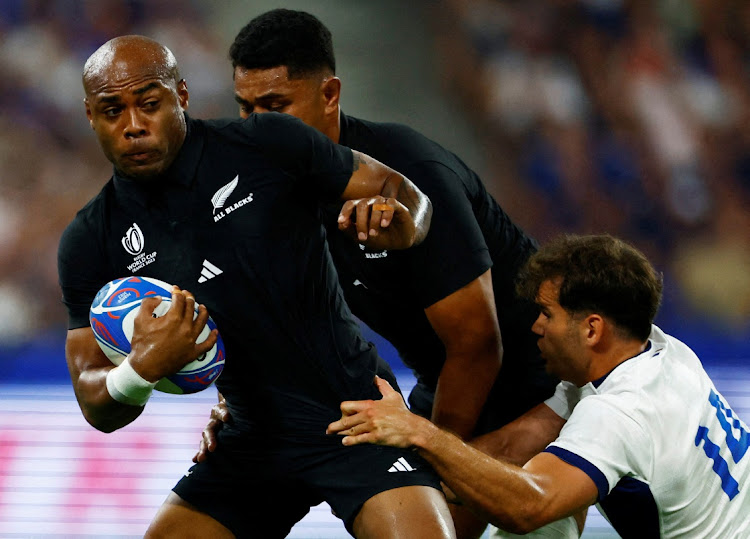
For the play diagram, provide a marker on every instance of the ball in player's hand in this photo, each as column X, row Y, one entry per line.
column 112, row 314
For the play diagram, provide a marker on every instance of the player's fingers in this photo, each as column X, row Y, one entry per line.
column 382, row 214
column 220, row 412
column 148, row 305
column 203, row 449
column 340, row 425
column 200, row 319
column 365, row 438
column 177, row 310
column 205, row 346
column 363, row 220
column 345, row 215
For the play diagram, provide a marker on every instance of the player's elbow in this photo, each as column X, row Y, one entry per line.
column 99, row 421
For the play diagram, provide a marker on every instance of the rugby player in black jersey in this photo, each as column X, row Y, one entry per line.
column 458, row 322
column 294, row 351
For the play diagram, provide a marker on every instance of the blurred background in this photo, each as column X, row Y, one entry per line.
column 630, row 117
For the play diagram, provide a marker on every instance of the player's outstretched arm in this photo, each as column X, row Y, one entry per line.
column 516, row 499
column 383, row 208
column 111, row 397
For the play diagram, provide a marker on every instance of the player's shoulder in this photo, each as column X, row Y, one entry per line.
column 89, row 221
column 391, row 136
column 91, row 212
column 254, row 127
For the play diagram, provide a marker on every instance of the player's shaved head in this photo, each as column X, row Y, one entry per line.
column 126, row 58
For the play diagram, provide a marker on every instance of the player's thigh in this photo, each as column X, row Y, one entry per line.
column 415, row 511
column 179, row 519
column 467, row 523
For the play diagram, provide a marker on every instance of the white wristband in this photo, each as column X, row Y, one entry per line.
column 127, row 386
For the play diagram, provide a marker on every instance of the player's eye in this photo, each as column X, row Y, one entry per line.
column 112, row 112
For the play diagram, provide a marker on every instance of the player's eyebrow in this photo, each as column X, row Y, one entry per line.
column 146, row 88
column 240, row 100
column 116, row 98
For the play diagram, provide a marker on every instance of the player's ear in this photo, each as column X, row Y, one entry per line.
column 331, row 91
column 88, row 111
column 182, row 93
column 593, row 328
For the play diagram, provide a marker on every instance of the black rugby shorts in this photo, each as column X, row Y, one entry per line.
column 260, row 486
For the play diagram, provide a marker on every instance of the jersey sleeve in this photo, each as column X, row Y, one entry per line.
column 323, row 166
column 604, row 442
column 566, row 396
column 454, row 248
column 81, row 271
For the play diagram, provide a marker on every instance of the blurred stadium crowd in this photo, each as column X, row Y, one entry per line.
column 623, row 116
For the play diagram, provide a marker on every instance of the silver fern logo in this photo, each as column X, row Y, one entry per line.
column 133, row 240
column 219, row 200
column 220, row 197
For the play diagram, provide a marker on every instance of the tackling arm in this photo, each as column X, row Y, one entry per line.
column 513, row 498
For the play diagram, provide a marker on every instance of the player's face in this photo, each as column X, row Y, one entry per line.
column 271, row 90
column 139, row 120
column 560, row 337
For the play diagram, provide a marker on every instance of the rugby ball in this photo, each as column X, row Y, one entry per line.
column 112, row 314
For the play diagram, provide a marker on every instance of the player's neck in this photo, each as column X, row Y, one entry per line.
column 618, row 352
column 334, row 130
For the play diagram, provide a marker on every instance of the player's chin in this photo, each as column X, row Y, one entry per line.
column 141, row 172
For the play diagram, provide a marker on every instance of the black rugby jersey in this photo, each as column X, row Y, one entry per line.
column 469, row 233
column 236, row 221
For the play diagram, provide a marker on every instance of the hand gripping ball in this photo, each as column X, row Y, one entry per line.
column 112, row 314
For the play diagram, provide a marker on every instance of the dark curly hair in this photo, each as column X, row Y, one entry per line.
column 599, row 274
column 284, row 37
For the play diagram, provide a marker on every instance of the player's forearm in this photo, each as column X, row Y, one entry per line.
column 506, row 495
column 526, row 436
column 418, row 204
column 462, row 390
column 99, row 409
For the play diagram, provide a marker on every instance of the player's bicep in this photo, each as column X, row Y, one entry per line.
column 468, row 316
column 567, row 488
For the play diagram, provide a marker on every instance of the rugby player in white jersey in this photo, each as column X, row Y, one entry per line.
column 647, row 435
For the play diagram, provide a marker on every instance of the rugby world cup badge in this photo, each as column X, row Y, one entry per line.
column 134, row 244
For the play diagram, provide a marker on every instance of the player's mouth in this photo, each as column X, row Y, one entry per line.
column 141, row 157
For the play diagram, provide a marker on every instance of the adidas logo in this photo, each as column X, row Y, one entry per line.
column 401, row 466
column 209, row 271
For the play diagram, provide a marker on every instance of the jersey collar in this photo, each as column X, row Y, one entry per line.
column 596, row 383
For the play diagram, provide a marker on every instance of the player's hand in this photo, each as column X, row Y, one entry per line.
column 366, row 220
column 163, row 345
column 384, row 422
column 219, row 415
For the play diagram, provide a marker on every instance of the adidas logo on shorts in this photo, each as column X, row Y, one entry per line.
column 401, row 466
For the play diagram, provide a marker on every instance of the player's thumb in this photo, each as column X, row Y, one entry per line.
column 383, row 386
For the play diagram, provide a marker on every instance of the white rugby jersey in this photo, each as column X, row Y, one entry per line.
column 666, row 451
